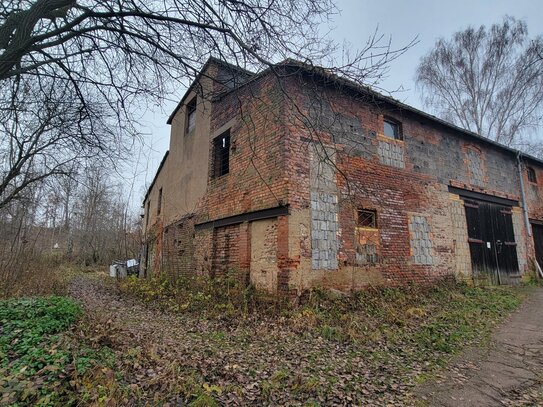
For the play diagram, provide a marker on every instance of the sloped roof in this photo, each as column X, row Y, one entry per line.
column 211, row 60
column 330, row 77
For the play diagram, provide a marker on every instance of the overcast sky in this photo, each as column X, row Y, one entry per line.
column 398, row 19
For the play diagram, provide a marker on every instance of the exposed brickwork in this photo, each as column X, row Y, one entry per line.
column 226, row 251
column 326, row 158
column 178, row 248
column 520, row 238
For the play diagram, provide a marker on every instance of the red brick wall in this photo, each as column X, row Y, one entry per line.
column 434, row 158
column 225, row 257
column 178, row 248
column 271, row 141
column 231, row 253
column 256, row 178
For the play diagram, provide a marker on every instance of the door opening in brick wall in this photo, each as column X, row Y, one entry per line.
column 225, row 259
column 537, row 232
column 492, row 243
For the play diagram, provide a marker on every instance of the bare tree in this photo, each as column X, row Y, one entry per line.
column 45, row 128
column 489, row 81
column 96, row 62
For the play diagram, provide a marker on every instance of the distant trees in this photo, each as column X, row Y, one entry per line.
column 489, row 81
column 82, row 217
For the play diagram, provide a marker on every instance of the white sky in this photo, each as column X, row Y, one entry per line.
column 401, row 21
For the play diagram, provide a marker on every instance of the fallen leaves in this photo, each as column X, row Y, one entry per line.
column 330, row 352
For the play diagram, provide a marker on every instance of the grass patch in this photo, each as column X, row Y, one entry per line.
column 39, row 363
column 420, row 325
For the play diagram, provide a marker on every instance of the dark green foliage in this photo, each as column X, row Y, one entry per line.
column 37, row 360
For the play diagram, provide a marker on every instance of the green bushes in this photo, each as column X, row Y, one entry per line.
column 39, row 363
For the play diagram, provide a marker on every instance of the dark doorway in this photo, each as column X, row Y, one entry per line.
column 492, row 242
column 537, row 231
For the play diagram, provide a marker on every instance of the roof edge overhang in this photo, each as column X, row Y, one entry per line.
column 156, row 176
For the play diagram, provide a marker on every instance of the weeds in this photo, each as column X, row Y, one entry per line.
column 39, row 363
column 225, row 341
column 224, row 296
column 400, row 335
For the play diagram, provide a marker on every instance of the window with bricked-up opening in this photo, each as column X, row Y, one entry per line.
column 159, row 203
column 475, row 166
column 392, row 129
column 531, row 174
column 367, row 219
column 191, row 115
column 221, row 155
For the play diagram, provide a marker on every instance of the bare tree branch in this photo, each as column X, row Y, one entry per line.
column 489, row 81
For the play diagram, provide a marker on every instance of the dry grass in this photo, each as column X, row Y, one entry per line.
column 224, row 297
column 38, row 275
column 33, row 276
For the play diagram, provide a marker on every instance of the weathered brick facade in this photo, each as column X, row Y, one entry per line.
column 308, row 154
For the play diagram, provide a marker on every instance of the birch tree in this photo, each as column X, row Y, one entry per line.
column 487, row 80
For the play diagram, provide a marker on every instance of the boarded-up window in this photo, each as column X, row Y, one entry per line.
column 324, row 230
column 475, row 166
column 366, row 254
column 391, row 153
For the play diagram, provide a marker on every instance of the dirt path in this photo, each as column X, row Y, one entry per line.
column 508, row 373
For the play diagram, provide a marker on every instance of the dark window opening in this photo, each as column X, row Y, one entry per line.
column 159, row 203
column 148, row 213
column 367, row 219
column 392, row 129
column 221, row 155
column 531, row 174
column 191, row 115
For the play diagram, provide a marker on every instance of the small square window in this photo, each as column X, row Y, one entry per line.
column 392, row 129
column 221, row 155
column 531, row 174
column 367, row 219
column 191, row 115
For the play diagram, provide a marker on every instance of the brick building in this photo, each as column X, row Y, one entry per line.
column 294, row 178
